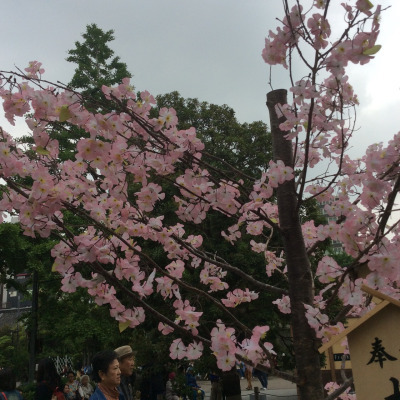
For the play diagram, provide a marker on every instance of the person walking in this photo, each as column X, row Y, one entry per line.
column 197, row 392
column 248, row 373
column 126, row 364
column 262, row 377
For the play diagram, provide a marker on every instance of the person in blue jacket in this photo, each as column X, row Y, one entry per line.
column 107, row 374
column 197, row 391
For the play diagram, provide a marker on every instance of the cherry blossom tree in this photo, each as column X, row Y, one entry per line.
column 115, row 188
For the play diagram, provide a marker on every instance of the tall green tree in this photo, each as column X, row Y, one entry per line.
column 72, row 323
column 96, row 66
column 95, row 62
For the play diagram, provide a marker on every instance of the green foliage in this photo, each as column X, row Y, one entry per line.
column 95, row 63
column 247, row 147
column 180, row 387
column 68, row 323
column 95, row 66
column 28, row 390
column 13, row 249
column 6, row 349
column 72, row 323
column 13, row 350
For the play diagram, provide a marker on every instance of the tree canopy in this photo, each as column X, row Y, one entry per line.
column 95, row 62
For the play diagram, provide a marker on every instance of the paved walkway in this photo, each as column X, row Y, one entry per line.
column 278, row 389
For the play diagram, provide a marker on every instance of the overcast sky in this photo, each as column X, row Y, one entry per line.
column 208, row 49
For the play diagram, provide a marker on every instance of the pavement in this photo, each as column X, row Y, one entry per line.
column 278, row 389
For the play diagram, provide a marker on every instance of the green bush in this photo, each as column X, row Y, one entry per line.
column 28, row 390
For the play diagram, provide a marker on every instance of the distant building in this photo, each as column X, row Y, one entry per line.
column 13, row 303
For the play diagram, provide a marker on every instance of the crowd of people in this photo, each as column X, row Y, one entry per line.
column 247, row 372
column 112, row 377
column 110, row 370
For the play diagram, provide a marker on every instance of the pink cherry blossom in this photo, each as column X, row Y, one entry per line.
column 177, row 349
column 332, row 386
column 34, row 69
column 328, row 270
column 239, row 296
column 165, row 329
column 320, row 28
column 194, row 350
column 283, row 304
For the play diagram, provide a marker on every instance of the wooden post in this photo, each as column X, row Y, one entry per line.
column 34, row 325
column 256, row 393
column 332, row 364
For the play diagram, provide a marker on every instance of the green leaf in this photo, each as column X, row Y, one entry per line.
column 42, row 151
column 123, row 325
column 373, row 50
column 370, row 5
column 65, row 114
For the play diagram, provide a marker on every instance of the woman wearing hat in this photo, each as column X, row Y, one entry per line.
column 107, row 374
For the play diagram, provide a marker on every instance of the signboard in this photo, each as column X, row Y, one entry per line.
column 375, row 354
column 374, row 344
column 339, row 357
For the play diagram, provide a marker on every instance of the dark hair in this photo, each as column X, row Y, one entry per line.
column 7, row 379
column 101, row 362
column 47, row 372
column 71, row 372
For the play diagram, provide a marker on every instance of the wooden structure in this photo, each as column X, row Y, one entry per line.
column 374, row 344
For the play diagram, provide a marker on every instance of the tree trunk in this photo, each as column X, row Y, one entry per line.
column 298, row 265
